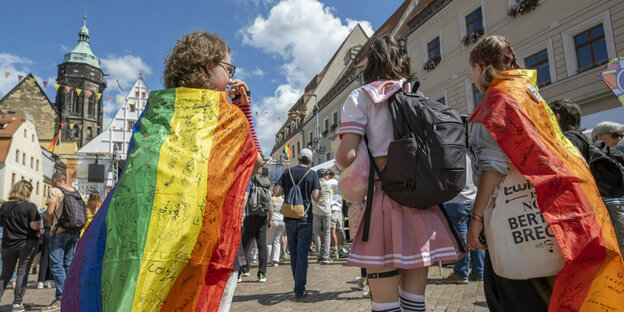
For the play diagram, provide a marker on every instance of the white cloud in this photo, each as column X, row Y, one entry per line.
column 266, row 127
column 125, row 69
column 304, row 33
column 65, row 48
column 258, row 72
column 15, row 65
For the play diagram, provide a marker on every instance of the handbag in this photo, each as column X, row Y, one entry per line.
column 520, row 241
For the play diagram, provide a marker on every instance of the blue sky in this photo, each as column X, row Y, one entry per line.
column 277, row 45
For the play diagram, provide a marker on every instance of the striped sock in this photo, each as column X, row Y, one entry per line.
column 385, row 306
column 411, row 302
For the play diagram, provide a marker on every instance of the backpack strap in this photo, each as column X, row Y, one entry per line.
column 452, row 228
column 301, row 177
column 369, row 195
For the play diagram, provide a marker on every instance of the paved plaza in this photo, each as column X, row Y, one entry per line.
column 332, row 288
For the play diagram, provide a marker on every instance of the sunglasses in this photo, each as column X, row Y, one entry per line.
column 616, row 136
column 230, row 70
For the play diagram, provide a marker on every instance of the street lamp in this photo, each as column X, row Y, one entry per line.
column 317, row 137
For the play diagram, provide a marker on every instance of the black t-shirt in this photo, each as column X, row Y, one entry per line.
column 309, row 184
column 15, row 218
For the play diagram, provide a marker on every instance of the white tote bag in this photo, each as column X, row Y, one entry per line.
column 521, row 243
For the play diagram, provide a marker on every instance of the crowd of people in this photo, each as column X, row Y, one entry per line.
column 515, row 145
column 43, row 238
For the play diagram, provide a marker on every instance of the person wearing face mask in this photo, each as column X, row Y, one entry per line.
column 166, row 237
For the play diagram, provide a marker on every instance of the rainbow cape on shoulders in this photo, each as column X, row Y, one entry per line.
column 166, row 237
column 592, row 278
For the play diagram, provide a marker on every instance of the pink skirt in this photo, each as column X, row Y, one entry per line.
column 403, row 237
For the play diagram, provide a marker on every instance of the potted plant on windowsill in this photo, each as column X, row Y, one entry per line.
column 472, row 37
column 522, row 7
column 432, row 63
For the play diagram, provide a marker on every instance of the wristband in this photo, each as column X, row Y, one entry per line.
column 476, row 218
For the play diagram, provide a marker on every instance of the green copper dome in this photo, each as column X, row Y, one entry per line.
column 82, row 52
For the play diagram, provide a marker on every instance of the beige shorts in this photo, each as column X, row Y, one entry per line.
column 337, row 221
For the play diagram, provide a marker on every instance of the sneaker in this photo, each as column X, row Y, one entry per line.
column 275, row 264
column 54, row 306
column 17, row 307
column 48, row 284
column 302, row 296
column 360, row 282
column 475, row 278
column 246, row 274
column 239, row 279
column 40, row 285
column 326, row 262
column 366, row 294
column 261, row 278
column 455, row 279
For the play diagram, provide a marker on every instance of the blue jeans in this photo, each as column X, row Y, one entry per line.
column 457, row 212
column 61, row 254
column 299, row 238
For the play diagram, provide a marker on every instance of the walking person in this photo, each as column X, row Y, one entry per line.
column 402, row 241
column 611, row 133
column 20, row 221
column 299, row 231
column 322, row 219
column 63, row 241
column 258, row 212
column 45, row 274
column 459, row 210
column 338, row 239
column 275, row 232
column 521, row 155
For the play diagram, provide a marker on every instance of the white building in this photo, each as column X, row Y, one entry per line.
column 110, row 147
column 20, row 156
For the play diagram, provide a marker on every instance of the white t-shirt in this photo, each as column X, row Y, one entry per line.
column 336, row 199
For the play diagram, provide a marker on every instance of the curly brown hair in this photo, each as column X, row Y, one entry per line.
column 186, row 66
column 495, row 54
column 386, row 60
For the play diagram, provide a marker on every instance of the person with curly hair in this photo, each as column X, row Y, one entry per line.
column 166, row 237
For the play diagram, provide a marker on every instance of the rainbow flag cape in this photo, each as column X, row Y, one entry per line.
column 55, row 142
column 527, row 131
column 166, row 237
column 613, row 78
column 287, row 151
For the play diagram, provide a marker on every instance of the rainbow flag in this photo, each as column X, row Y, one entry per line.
column 166, row 237
column 527, row 131
column 287, row 151
column 55, row 142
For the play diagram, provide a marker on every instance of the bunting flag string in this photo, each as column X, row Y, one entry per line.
column 67, row 88
column 20, row 77
column 99, row 95
column 45, row 84
column 6, row 74
column 32, row 80
column 88, row 93
column 78, row 91
column 56, row 86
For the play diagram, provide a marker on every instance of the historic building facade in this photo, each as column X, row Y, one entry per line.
column 78, row 99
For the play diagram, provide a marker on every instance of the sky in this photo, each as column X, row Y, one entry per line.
column 277, row 46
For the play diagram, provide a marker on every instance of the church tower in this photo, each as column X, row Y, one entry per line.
column 78, row 99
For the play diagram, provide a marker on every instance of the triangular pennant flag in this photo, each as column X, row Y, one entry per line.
column 126, row 100
column 97, row 127
column 68, row 88
column 62, row 125
column 88, row 93
column 117, row 99
column 80, row 127
column 6, row 74
column 56, row 86
column 43, row 123
column 45, row 84
column 78, row 91
column 71, row 126
column 19, row 77
column 99, row 95
column 32, row 80
column 143, row 104
column 108, row 97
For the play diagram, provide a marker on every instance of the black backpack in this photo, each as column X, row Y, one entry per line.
column 426, row 164
column 260, row 196
column 607, row 166
column 74, row 211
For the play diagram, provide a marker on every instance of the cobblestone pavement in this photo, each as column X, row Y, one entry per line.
column 332, row 288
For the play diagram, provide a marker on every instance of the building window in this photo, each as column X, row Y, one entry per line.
column 136, row 93
column 17, row 156
column 75, row 108
column 37, row 165
column 130, row 125
column 474, row 21
column 32, row 138
column 89, row 133
column 311, row 137
column 25, row 134
column 32, row 162
column 591, row 48
column 24, row 159
column 12, row 179
column 335, row 118
column 91, row 108
column 539, row 62
column 476, row 95
column 326, row 125
column 433, row 49
column 298, row 148
column 328, row 157
column 132, row 108
column 37, row 188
